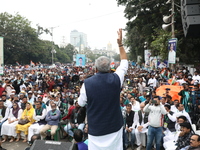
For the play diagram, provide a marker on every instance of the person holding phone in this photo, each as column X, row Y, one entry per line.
column 156, row 112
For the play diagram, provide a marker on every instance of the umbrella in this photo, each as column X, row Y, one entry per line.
column 173, row 92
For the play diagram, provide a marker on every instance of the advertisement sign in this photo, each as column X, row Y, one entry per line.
column 147, row 55
column 1, row 56
column 172, row 43
column 153, row 62
column 80, row 59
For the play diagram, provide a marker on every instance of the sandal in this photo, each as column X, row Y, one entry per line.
column 25, row 140
column 17, row 140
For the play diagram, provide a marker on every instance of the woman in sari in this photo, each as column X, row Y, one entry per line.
column 8, row 128
column 27, row 114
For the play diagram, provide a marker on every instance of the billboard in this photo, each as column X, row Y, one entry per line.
column 1, row 56
column 147, row 55
column 80, row 59
column 172, row 43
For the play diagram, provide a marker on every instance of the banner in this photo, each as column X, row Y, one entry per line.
column 80, row 59
column 153, row 62
column 147, row 55
column 172, row 43
column 1, row 56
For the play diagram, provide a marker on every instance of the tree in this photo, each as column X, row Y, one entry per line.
column 144, row 25
column 20, row 39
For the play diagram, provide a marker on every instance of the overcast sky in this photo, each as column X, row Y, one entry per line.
column 99, row 19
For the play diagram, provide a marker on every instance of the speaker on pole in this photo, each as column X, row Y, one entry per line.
column 50, row 145
column 190, row 15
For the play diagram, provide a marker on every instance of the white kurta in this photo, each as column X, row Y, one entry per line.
column 9, row 129
column 112, row 141
column 35, row 127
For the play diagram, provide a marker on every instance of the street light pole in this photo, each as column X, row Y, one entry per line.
column 173, row 33
column 52, row 51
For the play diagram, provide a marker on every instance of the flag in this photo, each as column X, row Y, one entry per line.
column 163, row 73
column 17, row 63
column 32, row 64
column 168, row 74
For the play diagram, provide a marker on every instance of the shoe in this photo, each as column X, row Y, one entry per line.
column 139, row 148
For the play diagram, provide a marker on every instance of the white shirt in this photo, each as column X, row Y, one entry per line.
column 136, row 121
column 38, row 118
column 196, row 78
column 172, row 56
column 136, row 106
column 6, row 114
column 152, row 82
column 174, row 109
column 183, row 113
column 8, row 104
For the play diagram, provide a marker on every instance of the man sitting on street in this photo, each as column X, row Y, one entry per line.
column 52, row 119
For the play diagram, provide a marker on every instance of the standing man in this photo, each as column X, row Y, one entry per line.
column 101, row 92
column 156, row 114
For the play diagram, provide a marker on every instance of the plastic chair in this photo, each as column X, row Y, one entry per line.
column 57, row 135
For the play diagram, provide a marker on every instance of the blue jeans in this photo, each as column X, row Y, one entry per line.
column 68, row 128
column 154, row 133
column 132, row 142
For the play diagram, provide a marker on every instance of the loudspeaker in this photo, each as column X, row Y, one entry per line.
column 190, row 15
column 50, row 145
column 190, row 2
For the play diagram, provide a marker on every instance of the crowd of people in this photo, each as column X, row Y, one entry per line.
column 41, row 101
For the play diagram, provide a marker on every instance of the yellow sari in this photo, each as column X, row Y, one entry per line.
column 29, row 114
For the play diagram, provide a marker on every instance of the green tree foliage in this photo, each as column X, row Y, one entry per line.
column 144, row 25
column 22, row 43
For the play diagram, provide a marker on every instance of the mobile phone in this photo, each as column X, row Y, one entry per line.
column 153, row 101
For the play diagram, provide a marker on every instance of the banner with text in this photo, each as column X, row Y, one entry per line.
column 172, row 43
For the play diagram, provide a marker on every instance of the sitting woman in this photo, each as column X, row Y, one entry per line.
column 27, row 116
column 8, row 128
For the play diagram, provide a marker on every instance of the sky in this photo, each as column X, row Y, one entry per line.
column 99, row 19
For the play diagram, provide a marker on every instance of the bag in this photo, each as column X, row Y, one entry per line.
column 23, row 121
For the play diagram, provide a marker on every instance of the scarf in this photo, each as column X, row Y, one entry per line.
column 15, row 111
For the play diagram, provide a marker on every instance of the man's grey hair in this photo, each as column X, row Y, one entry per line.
column 103, row 64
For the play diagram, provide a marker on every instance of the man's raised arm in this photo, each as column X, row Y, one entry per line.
column 121, row 47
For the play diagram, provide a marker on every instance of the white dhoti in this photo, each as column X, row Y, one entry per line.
column 9, row 129
column 111, row 141
column 34, row 129
column 141, row 137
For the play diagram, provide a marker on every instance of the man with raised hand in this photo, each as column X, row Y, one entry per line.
column 101, row 92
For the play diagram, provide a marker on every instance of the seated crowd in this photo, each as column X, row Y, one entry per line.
column 42, row 108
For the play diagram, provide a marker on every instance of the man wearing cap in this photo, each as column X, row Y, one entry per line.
column 30, row 97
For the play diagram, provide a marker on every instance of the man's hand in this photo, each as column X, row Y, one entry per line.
column 182, row 134
column 119, row 40
column 140, row 128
